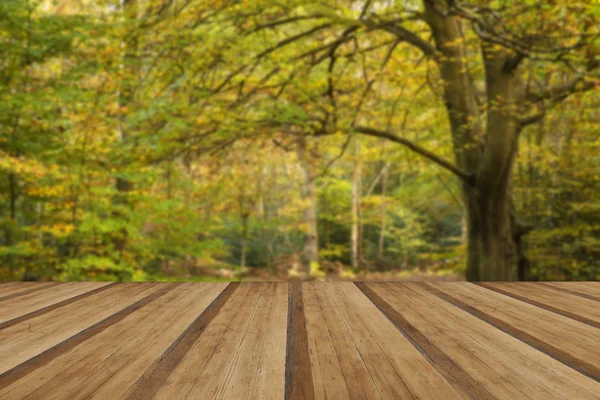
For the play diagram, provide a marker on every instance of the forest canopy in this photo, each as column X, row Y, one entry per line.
column 233, row 139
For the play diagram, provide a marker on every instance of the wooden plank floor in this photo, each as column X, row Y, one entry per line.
column 309, row 340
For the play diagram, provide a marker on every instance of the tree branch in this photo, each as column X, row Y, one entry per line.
column 467, row 178
column 404, row 34
column 561, row 91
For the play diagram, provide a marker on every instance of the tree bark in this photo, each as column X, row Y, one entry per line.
column 356, row 229
column 310, row 252
column 493, row 234
column 125, row 97
column 245, row 218
column 383, row 209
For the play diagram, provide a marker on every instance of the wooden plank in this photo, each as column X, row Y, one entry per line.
column 77, row 363
column 29, row 308
column 23, row 341
column 142, row 344
column 399, row 368
column 579, row 309
column 269, row 382
column 507, row 367
column 12, row 287
column 241, row 373
column 373, row 355
column 327, row 376
column 155, row 376
column 590, row 288
column 119, row 385
column 22, row 291
column 586, row 291
column 446, row 366
column 37, row 363
column 185, row 374
column 298, row 374
column 544, row 330
column 211, row 379
column 370, row 332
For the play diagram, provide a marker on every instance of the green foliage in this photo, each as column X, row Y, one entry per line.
column 161, row 141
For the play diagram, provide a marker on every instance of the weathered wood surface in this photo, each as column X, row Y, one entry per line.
column 309, row 340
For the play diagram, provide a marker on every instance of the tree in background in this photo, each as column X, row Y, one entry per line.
column 161, row 139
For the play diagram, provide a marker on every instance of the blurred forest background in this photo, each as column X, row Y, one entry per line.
column 228, row 139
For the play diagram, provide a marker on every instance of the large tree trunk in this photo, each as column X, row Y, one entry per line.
column 310, row 252
column 492, row 231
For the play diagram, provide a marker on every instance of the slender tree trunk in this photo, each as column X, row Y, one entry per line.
column 356, row 229
column 245, row 218
column 383, row 209
column 11, row 225
column 310, row 252
column 125, row 97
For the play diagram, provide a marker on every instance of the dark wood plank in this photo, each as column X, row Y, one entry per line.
column 25, row 368
column 585, row 368
column 60, row 304
column 444, row 364
column 298, row 375
column 152, row 380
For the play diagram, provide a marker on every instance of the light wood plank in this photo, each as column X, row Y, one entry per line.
column 235, row 312
column 591, row 288
column 24, row 289
column 507, row 367
column 546, row 326
column 31, row 302
column 359, row 379
column 211, row 381
column 397, row 367
column 269, row 383
column 20, row 342
column 77, row 363
column 565, row 303
column 242, row 370
column 329, row 380
column 583, row 289
column 112, row 377
column 11, row 287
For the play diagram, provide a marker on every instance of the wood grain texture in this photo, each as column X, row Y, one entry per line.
column 26, row 310
column 452, row 371
column 586, row 292
column 152, row 380
column 582, row 310
column 98, row 360
column 398, row 369
column 298, row 375
column 25, row 290
column 269, row 382
column 13, row 369
column 13, row 287
column 504, row 365
column 312, row 340
column 536, row 327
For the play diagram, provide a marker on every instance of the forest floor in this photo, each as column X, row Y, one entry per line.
column 399, row 275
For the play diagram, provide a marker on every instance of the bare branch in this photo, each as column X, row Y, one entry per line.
column 404, row 34
column 468, row 178
column 562, row 91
